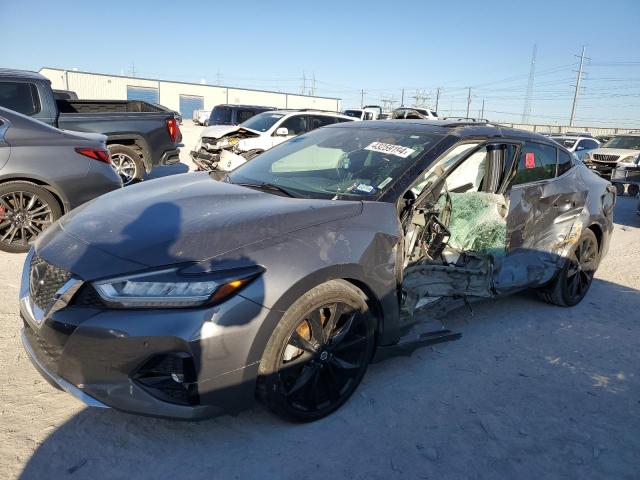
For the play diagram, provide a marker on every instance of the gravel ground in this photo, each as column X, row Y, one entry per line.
column 530, row 391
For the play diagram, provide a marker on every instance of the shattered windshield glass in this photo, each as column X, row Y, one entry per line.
column 626, row 142
column 338, row 162
column 263, row 121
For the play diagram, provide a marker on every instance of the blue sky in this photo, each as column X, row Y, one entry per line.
column 377, row 46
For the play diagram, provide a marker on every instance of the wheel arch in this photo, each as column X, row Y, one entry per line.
column 599, row 233
column 56, row 192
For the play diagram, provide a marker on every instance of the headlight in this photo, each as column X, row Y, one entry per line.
column 629, row 160
column 170, row 289
column 587, row 156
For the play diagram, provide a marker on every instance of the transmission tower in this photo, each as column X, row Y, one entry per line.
column 419, row 98
column 532, row 74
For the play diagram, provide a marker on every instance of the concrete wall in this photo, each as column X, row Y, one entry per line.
column 112, row 87
column 565, row 128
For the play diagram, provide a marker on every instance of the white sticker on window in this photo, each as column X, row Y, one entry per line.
column 364, row 188
column 397, row 150
column 385, row 182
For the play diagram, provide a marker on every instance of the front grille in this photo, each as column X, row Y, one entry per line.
column 46, row 279
column 605, row 158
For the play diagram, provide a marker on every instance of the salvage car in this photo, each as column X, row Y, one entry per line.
column 284, row 278
column 140, row 135
column 224, row 148
column 621, row 152
column 45, row 172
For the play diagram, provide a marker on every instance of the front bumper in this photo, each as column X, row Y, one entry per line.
column 204, row 160
column 97, row 354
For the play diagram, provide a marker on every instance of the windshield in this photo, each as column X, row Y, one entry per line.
column 627, row 142
column 565, row 142
column 353, row 113
column 220, row 116
column 263, row 121
column 338, row 162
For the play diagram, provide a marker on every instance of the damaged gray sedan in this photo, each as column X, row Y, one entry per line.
column 283, row 279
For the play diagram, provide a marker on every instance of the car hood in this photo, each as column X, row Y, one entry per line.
column 192, row 217
column 219, row 131
column 621, row 152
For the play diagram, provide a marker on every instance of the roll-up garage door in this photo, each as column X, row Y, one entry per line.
column 189, row 103
column 146, row 94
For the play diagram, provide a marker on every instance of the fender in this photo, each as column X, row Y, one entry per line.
column 42, row 182
column 139, row 140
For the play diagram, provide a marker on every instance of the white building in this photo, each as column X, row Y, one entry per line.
column 181, row 96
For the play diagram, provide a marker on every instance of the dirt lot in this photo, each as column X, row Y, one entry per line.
column 530, row 391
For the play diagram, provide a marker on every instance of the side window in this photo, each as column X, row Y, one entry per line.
column 564, row 162
column 244, row 115
column 536, row 162
column 318, row 121
column 341, row 120
column 20, row 96
column 296, row 124
column 589, row 144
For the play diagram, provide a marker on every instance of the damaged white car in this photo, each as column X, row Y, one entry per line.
column 226, row 147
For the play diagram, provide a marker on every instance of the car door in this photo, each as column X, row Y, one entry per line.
column 546, row 197
column 5, row 148
column 295, row 124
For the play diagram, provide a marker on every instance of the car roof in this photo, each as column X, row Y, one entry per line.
column 309, row 111
column 236, row 105
column 457, row 128
column 21, row 74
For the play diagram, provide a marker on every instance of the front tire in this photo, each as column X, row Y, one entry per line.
column 573, row 281
column 26, row 210
column 318, row 353
column 127, row 163
column 632, row 189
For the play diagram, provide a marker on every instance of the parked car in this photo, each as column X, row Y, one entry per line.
column 578, row 145
column 234, row 114
column 285, row 278
column 368, row 112
column 413, row 113
column 226, row 147
column 604, row 138
column 620, row 152
column 201, row 117
column 140, row 136
column 44, row 173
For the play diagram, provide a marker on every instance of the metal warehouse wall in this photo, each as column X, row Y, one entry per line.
column 112, row 87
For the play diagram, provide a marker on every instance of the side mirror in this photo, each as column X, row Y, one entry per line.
column 580, row 148
column 282, row 132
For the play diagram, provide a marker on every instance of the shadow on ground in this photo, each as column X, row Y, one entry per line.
column 530, row 391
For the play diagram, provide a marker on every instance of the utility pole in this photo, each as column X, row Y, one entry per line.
column 468, row 100
column 313, row 85
column 575, row 95
column 304, row 83
column 218, row 77
column 437, row 98
column 133, row 69
column 532, row 72
column 402, row 99
column 362, row 92
column 482, row 110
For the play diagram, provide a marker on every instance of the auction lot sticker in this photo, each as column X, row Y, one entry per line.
column 397, row 150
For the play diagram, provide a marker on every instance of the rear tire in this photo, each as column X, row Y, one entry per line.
column 632, row 189
column 572, row 282
column 619, row 189
column 127, row 163
column 318, row 353
column 26, row 210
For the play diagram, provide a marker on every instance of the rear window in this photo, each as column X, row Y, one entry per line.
column 220, row 116
column 20, row 97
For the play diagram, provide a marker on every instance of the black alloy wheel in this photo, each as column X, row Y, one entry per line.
column 582, row 268
column 573, row 281
column 319, row 360
column 26, row 210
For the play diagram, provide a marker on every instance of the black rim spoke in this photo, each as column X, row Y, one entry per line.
column 302, row 343
column 323, row 357
column 317, row 333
